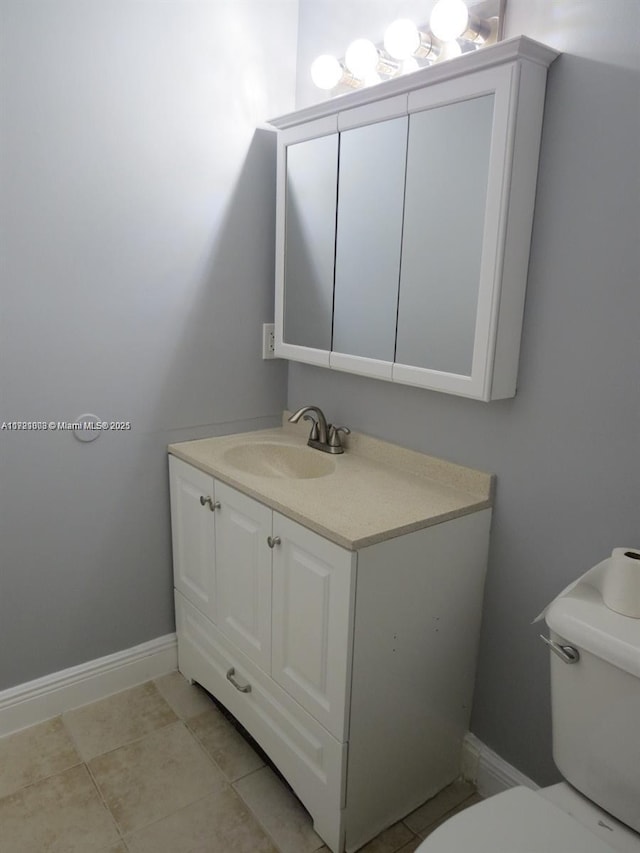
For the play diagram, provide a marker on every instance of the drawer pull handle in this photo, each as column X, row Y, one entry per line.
column 272, row 541
column 213, row 505
column 243, row 688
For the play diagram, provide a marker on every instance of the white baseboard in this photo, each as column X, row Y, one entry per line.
column 488, row 771
column 49, row 696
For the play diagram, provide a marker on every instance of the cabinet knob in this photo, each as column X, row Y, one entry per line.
column 272, row 541
column 213, row 505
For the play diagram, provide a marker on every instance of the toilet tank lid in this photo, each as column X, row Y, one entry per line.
column 582, row 618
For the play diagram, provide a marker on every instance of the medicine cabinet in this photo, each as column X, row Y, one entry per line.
column 404, row 215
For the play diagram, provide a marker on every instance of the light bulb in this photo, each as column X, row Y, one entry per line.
column 361, row 58
column 326, row 71
column 409, row 65
column 449, row 50
column 371, row 79
column 401, row 39
column 449, row 19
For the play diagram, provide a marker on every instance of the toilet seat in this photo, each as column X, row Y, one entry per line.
column 516, row 821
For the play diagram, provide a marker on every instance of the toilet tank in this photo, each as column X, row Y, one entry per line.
column 595, row 702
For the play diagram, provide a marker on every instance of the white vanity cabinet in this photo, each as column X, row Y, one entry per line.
column 353, row 669
column 272, row 637
column 404, row 216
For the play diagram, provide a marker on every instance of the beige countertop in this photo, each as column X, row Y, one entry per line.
column 375, row 490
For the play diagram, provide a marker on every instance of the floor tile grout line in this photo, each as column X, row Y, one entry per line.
column 135, row 740
column 71, row 736
column 104, row 802
column 164, row 817
column 41, row 779
column 259, row 822
column 204, row 750
column 174, row 708
column 44, row 779
column 69, row 730
column 211, row 758
column 257, row 818
column 449, row 812
column 255, row 814
column 96, row 784
column 414, row 835
column 246, row 776
column 124, row 835
column 80, row 759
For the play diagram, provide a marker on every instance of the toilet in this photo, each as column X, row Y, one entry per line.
column 595, row 706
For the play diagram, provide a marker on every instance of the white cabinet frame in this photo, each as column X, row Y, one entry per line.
column 515, row 73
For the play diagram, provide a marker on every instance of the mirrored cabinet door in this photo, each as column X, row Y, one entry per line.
column 404, row 223
column 446, row 192
column 368, row 239
column 310, row 222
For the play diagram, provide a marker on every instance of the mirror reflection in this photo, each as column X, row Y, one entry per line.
column 311, row 189
column 368, row 241
column 447, row 173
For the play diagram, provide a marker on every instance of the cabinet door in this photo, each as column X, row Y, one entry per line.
column 455, row 214
column 305, row 237
column 369, row 232
column 243, row 573
column 439, row 291
column 313, row 595
column 193, row 534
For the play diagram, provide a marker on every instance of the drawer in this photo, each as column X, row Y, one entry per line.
column 311, row 759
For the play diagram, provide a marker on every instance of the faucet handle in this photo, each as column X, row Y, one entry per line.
column 334, row 435
column 313, row 435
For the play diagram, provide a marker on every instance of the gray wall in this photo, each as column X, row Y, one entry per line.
column 136, row 251
column 565, row 449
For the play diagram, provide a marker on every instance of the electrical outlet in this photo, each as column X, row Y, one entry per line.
column 268, row 340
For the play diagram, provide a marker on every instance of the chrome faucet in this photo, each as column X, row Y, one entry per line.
column 323, row 436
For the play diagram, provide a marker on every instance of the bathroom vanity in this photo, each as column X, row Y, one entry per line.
column 404, row 215
column 332, row 604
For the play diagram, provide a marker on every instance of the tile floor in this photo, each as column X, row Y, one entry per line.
column 159, row 769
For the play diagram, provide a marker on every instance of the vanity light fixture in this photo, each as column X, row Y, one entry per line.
column 454, row 27
column 401, row 39
column 449, row 50
column 404, row 41
column 361, row 58
column 449, row 19
column 326, row 71
column 367, row 63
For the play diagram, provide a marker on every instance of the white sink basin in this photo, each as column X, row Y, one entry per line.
column 288, row 461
